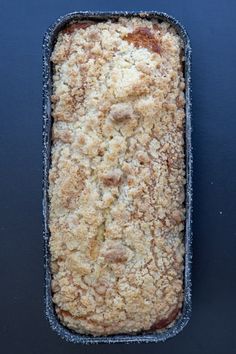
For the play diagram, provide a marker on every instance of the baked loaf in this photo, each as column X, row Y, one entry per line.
column 116, row 182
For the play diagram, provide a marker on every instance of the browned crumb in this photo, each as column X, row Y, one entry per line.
column 76, row 26
column 166, row 321
column 112, row 178
column 143, row 37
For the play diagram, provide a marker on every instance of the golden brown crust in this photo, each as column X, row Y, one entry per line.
column 144, row 37
column 117, row 176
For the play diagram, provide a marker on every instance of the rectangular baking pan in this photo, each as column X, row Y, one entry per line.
column 48, row 43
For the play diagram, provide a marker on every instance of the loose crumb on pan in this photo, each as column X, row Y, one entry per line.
column 116, row 182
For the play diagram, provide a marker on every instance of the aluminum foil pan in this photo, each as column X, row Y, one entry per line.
column 48, row 43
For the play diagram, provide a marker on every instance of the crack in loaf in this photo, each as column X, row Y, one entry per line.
column 116, row 182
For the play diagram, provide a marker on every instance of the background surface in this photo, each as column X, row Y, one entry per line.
column 212, row 28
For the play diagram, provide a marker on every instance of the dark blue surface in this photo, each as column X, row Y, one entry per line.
column 212, row 29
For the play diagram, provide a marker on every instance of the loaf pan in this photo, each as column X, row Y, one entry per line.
column 48, row 43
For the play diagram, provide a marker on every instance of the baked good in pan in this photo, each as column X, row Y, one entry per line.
column 117, row 176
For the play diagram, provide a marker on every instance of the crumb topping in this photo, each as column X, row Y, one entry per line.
column 116, row 182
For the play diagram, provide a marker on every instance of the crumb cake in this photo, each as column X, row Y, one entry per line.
column 117, row 176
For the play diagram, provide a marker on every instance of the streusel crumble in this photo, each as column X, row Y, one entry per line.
column 116, row 182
